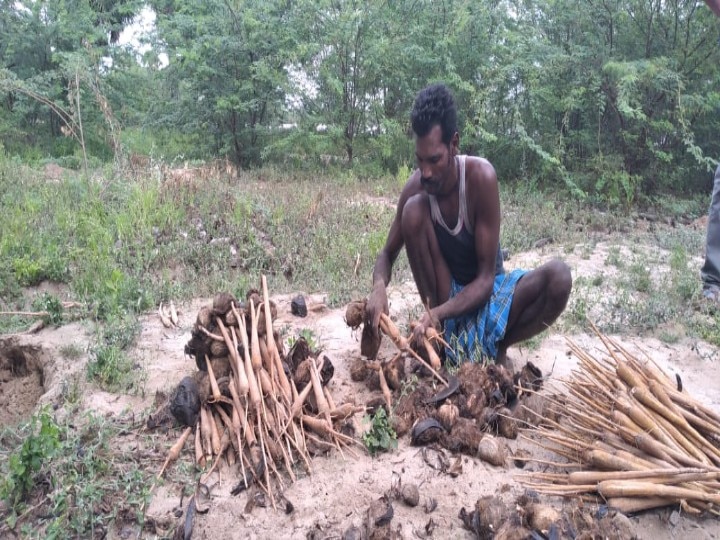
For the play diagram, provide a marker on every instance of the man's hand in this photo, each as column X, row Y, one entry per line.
column 377, row 304
column 420, row 329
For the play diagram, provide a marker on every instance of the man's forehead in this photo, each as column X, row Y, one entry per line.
column 431, row 139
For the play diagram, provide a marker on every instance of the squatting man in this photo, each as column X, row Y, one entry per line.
column 448, row 219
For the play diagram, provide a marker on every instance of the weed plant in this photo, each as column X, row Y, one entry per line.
column 380, row 437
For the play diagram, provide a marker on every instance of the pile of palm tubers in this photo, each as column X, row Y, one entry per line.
column 252, row 404
column 468, row 411
column 632, row 437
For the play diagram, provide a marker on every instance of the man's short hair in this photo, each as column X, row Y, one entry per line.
column 434, row 105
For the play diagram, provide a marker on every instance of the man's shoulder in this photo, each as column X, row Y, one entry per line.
column 413, row 185
column 479, row 170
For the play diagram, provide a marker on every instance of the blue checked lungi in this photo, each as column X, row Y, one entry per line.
column 475, row 337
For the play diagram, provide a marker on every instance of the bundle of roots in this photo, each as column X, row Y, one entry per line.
column 633, row 438
column 251, row 403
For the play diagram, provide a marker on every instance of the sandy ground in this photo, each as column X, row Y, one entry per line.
column 341, row 487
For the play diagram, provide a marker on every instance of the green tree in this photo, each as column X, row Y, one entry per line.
column 226, row 80
column 52, row 62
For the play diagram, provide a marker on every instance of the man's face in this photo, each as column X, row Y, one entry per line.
column 435, row 159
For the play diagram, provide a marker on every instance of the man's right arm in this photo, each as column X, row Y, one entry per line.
column 382, row 272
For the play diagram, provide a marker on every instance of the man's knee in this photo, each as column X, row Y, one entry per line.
column 559, row 282
column 415, row 214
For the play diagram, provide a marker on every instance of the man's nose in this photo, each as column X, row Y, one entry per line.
column 425, row 172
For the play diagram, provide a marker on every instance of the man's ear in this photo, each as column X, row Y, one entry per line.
column 455, row 144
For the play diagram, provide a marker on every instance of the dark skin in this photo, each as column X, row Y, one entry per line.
column 714, row 5
column 540, row 295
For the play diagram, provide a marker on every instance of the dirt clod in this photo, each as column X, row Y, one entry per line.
column 506, row 424
column 21, row 381
column 298, row 307
column 355, row 313
column 222, row 303
column 352, row 533
column 185, row 402
column 358, row 370
column 410, row 495
column 465, row 437
column 379, row 513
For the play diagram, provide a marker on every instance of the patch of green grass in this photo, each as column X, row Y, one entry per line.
column 109, row 364
column 40, row 445
column 668, row 336
column 528, row 216
column 639, row 277
column 50, row 304
column 71, row 351
column 77, row 474
column 685, row 282
column 308, row 334
column 70, row 390
column 613, row 257
column 707, row 327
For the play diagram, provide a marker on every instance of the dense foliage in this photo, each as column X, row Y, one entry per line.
column 605, row 99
